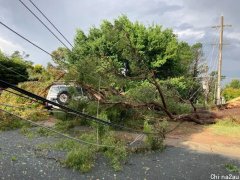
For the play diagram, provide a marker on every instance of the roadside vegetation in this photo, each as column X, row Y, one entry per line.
column 227, row 127
column 232, row 90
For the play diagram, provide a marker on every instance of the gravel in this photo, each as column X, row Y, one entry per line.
column 20, row 160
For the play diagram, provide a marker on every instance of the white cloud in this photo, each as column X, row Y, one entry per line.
column 233, row 35
column 9, row 47
column 190, row 34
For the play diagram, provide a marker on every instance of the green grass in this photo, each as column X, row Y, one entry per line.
column 81, row 158
column 10, row 124
column 232, row 168
column 14, row 158
column 226, row 127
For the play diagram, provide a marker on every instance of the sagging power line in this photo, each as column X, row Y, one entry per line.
column 81, row 114
column 43, row 24
column 26, row 39
column 50, row 22
column 56, row 132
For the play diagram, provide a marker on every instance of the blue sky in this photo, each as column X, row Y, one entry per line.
column 190, row 20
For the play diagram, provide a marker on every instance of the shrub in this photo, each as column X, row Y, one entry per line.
column 232, row 168
column 178, row 108
column 231, row 93
column 116, row 154
column 155, row 141
column 81, row 158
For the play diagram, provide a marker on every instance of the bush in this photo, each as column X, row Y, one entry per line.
column 231, row 93
column 81, row 158
column 155, row 141
column 116, row 154
column 178, row 108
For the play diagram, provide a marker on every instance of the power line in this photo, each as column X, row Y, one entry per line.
column 81, row 114
column 20, row 95
column 56, row 132
column 43, row 24
column 26, row 39
column 50, row 22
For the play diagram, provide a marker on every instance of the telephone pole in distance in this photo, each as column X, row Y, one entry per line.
column 221, row 26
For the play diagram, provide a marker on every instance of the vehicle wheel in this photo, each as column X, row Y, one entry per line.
column 63, row 98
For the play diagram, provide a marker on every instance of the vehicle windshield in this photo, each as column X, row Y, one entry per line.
column 56, row 89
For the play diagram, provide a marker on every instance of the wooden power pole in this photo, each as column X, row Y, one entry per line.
column 218, row 95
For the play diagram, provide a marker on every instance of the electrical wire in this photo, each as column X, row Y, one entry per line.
column 81, row 114
column 56, row 132
column 50, row 21
column 26, row 39
column 20, row 95
column 43, row 23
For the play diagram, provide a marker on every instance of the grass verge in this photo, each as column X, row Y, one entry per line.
column 229, row 127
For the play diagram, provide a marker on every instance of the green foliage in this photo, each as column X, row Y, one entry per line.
column 232, row 90
column 14, row 158
column 229, row 127
column 81, row 158
column 142, row 92
column 8, row 122
column 67, row 145
column 64, row 125
column 24, row 107
column 155, row 141
column 235, row 84
column 125, row 57
column 123, row 45
column 178, row 108
column 116, row 154
column 43, row 132
column 26, row 131
column 232, row 168
column 16, row 70
column 231, row 93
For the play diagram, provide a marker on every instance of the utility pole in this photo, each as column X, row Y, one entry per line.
column 218, row 95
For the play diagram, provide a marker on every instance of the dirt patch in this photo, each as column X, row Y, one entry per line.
column 50, row 122
column 224, row 113
column 202, row 138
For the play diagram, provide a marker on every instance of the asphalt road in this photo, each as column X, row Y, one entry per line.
column 19, row 160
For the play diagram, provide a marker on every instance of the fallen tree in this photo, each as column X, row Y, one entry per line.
column 127, row 64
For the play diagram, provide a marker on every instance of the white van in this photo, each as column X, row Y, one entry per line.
column 60, row 94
